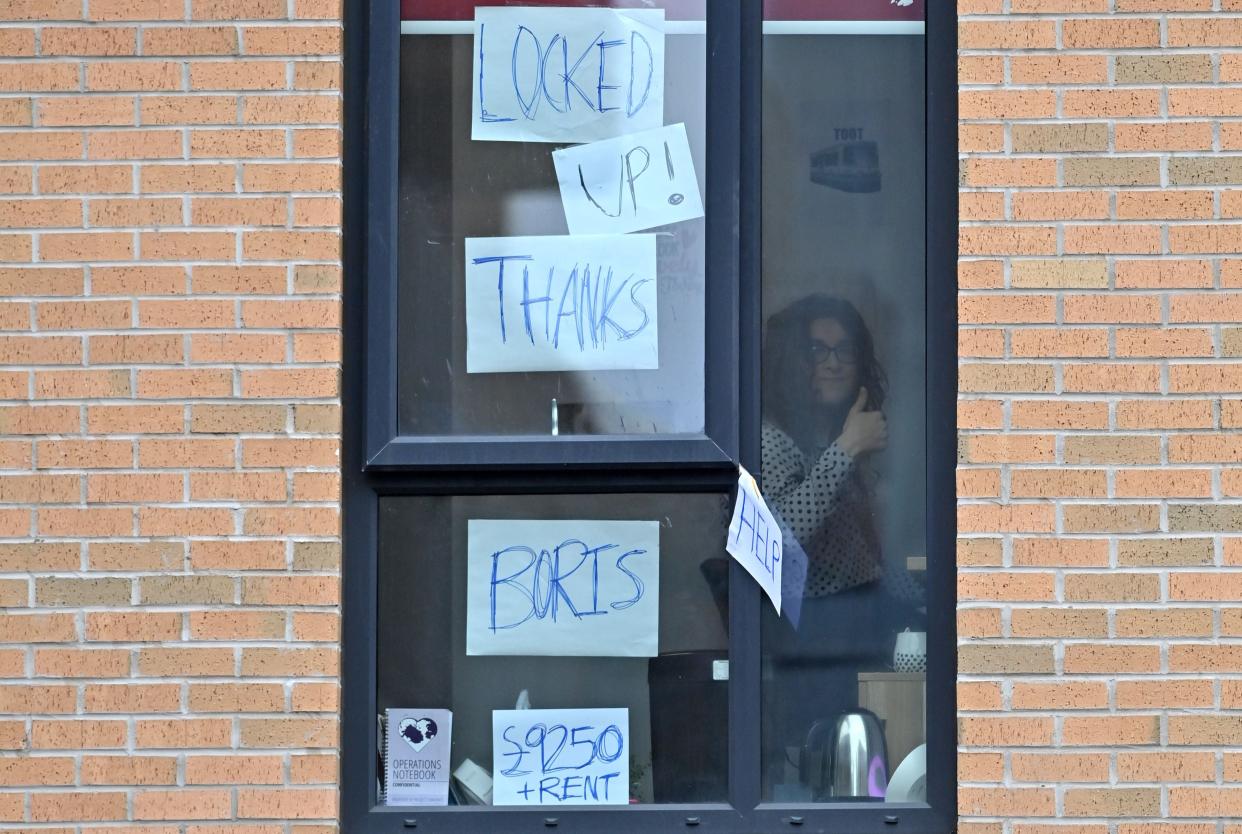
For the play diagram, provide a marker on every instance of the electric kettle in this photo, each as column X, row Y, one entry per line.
column 859, row 765
column 857, row 754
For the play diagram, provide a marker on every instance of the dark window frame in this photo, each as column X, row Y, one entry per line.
column 376, row 462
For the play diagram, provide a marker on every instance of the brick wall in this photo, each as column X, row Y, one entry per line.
column 168, row 517
column 169, row 430
column 1101, row 414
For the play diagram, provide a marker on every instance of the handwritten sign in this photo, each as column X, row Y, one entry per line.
column 755, row 538
column 561, row 757
column 417, row 765
column 629, row 183
column 566, row 74
column 561, row 303
column 577, row 588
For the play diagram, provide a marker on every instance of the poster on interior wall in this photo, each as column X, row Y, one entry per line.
column 561, row 757
column 561, row 303
column 571, row 588
column 416, row 768
column 566, row 74
column 629, row 183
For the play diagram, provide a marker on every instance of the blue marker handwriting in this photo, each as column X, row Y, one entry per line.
column 563, row 72
column 575, row 305
column 566, row 764
column 757, row 534
column 561, row 584
column 756, row 539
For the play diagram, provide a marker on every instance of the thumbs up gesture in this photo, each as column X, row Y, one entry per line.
column 864, row 431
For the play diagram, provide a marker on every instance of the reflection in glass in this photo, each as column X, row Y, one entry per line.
column 677, row 700
column 842, row 447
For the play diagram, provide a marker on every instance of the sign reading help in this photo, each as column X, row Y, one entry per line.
column 566, row 74
column 561, row 757
column 561, row 303
column 573, row 588
column 755, row 538
column 630, row 183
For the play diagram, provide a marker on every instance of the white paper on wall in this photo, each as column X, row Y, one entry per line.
column 557, row 74
column 633, row 182
column 576, row 588
column 561, row 303
column 755, row 538
column 561, row 757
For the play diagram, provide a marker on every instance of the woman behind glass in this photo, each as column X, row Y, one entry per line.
column 823, row 390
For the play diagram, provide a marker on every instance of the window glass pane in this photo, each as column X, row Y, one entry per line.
column 676, row 697
column 629, row 345
column 844, row 377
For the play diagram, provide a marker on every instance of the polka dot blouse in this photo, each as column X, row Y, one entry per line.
column 826, row 506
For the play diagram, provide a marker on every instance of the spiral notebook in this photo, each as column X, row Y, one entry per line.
column 414, row 753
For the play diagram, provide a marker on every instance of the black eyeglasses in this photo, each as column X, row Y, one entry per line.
column 846, row 352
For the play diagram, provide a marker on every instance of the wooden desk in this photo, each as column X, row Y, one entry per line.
column 900, row 700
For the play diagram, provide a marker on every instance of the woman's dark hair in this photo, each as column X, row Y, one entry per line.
column 788, row 397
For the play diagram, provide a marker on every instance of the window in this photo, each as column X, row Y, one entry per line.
column 577, row 300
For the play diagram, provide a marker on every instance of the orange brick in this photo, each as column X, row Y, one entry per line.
column 997, row 801
column 136, row 556
column 303, row 176
column 1059, row 622
column 1119, row 33
column 237, row 625
column 178, row 179
column 316, row 142
column 188, row 110
column 129, row 770
column 1058, row 414
column 234, row 770
column 132, row 626
column 183, row 805
column 186, row 40
column 197, row 246
column 127, row 419
column 184, row 384
column 183, row 733
column 238, row 9
column 88, row 41
column 1111, row 658
column 288, row 732
column 319, row 627
column 160, row 212
column 138, row 280
column 136, row 349
column 95, row 806
column 1007, row 35
column 1055, row 767
column 252, row 211
column 1162, row 136
column 237, row 697
column 237, row 74
column 1112, row 376
column 1059, row 482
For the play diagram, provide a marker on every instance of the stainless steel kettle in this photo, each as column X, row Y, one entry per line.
column 857, row 756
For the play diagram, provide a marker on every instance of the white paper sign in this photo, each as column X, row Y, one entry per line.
column 630, row 183
column 561, row 757
column 566, row 74
column 417, row 767
column 755, row 538
column 557, row 303
column 577, row 588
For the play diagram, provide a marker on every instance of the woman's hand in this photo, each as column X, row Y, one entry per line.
column 864, row 431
